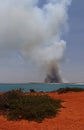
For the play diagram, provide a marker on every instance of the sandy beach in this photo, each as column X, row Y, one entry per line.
column 69, row 118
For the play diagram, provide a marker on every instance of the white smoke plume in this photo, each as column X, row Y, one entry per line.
column 33, row 30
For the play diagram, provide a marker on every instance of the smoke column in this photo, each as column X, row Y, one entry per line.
column 35, row 31
column 53, row 75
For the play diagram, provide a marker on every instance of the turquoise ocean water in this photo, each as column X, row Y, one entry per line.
column 36, row 86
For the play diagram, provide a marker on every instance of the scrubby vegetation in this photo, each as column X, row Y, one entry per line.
column 68, row 89
column 17, row 105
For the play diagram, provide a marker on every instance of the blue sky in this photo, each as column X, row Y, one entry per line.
column 72, row 68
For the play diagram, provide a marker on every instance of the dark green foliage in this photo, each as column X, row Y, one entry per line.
column 31, row 107
column 67, row 89
column 32, row 91
column 8, row 97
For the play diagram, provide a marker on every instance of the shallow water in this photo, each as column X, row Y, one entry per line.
column 37, row 87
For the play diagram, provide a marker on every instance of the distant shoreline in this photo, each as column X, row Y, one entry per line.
column 42, row 83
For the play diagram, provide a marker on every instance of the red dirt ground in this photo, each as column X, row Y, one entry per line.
column 69, row 118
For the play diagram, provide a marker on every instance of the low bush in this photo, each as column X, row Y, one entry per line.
column 8, row 97
column 18, row 106
column 68, row 89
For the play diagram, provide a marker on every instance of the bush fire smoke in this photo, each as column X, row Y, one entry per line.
column 36, row 32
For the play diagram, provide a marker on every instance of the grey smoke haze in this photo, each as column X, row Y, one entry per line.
column 33, row 31
column 53, row 75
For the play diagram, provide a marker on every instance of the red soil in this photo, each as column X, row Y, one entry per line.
column 69, row 118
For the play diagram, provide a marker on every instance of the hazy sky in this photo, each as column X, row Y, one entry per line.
column 14, row 69
column 73, row 69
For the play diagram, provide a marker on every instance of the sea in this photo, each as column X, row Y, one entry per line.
column 37, row 86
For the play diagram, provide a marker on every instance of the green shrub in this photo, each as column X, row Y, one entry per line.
column 8, row 97
column 67, row 89
column 30, row 107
